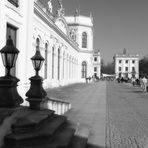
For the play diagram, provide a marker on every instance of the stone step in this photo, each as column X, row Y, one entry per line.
column 43, row 135
column 61, row 140
column 80, row 138
column 64, row 137
column 78, row 142
column 31, row 121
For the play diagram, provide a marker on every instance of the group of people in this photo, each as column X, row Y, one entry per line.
column 92, row 79
column 143, row 82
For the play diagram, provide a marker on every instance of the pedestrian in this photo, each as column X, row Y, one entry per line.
column 141, row 82
column 86, row 80
column 89, row 79
column 133, row 80
column 144, row 80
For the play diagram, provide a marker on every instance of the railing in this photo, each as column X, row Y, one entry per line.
column 58, row 105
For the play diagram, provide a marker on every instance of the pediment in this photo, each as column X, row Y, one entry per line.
column 62, row 25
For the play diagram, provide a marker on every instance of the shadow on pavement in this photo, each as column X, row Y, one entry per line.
column 93, row 146
column 138, row 91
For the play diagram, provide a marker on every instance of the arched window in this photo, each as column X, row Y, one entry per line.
column 46, row 55
column 37, row 44
column 63, row 64
column 84, row 69
column 84, row 40
column 58, row 63
column 69, row 66
column 52, row 62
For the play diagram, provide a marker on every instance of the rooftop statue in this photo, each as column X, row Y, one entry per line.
column 60, row 10
column 50, row 6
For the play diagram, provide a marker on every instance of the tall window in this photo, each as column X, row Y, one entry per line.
column 12, row 31
column 67, row 66
column 119, row 61
column 84, row 69
column 133, row 61
column 14, row 2
column 126, row 68
column 58, row 63
column 133, row 72
column 133, row 69
column 84, row 40
column 126, row 61
column 52, row 62
column 63, row 64
column 95, row 59
column 95, row 68
column 46, row 55
column 70, row 67
column 119, row 68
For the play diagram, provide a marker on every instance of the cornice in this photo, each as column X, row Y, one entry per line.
column 86, row 51
column 78, row 24
column 46, row 18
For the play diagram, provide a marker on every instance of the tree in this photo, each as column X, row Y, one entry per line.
column 143, row 67
column 108, row 68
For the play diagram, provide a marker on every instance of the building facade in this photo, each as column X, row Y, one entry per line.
column 97, row 63
column 66, row 43
column 126, row 65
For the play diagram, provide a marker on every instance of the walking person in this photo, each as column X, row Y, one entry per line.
column 144, row 80
column 141, row 82
column 133, row 80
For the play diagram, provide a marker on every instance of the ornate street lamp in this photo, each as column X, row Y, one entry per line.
column 9, row 96
column 36, row 94
column 37, row 61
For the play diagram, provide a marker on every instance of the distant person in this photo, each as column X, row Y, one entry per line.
column 89, row 78
column 141, row 82
column 144, row 80
column 133, row 80
column 138, row 82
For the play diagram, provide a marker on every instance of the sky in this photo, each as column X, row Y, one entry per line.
column 118, row 24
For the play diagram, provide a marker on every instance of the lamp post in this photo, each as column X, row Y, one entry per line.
column 36, row 94
column 9, row 96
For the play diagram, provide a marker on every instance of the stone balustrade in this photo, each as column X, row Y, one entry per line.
column 58, row 105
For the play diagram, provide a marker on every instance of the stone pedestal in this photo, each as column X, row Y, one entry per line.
column 9, row 96
column 36, row 94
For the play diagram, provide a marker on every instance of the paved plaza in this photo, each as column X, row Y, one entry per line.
column 116, row 114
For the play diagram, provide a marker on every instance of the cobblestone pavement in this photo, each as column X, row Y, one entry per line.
column 127, row 117
column 88, row 109
column 126, row 112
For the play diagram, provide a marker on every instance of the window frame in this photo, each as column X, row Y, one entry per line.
column 84, row 40
column 46, row 61
column 133, row 69
column 84, row 69
column 119, row 69
column 95, row 59
column 126, row 69
column 95, row 69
